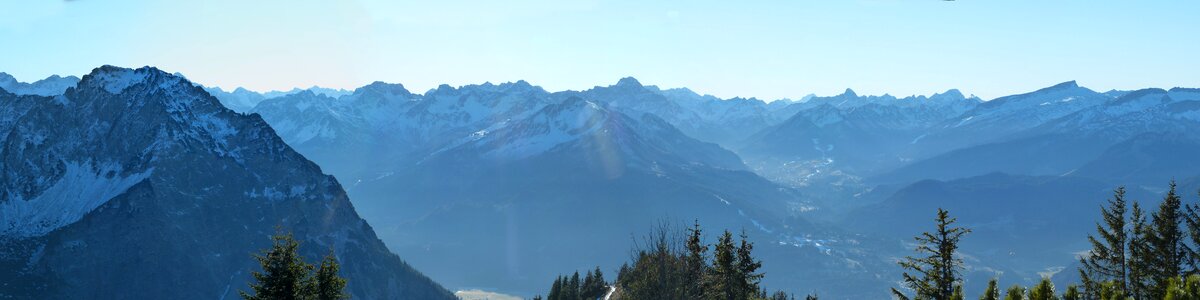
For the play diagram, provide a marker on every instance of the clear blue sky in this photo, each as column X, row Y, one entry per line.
column 765, row 49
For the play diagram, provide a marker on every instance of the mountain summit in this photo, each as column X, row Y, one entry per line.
column 139, row 176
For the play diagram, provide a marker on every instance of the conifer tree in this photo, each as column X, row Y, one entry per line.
column 1192, row 220
column 571, row 288
column 585, row 288
column 1107, row 258
column 695, row 264
column 555, row 290
column 747, row 267
column 1166, row 244
column 330, row 286
column 1179, row 288
column 1015, row 292
column 722, row 277
column 1072, row 293
column 935, row 275
column 780, row 295
column 992, row 292
column 1139, row 258
column 600, row 286
column 1108, row 291
column 284, row 274
column 1044, row 290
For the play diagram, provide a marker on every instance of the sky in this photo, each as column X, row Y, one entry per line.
column 764, row 49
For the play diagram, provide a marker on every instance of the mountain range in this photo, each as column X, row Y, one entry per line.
column 503, row 186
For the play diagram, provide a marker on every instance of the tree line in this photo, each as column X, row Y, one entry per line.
column 675, row 264
column 593, row 286
column 1132, row 256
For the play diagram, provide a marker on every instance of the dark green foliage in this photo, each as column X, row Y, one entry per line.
column 696, row 263
column 1139, row 258
column 1166, row 243
column 284, row 274
column 1107, row 259
column 1044, row 290
column 593, row 285
column 330, row 286
column 571, row 288
column 1179, row 288
column 669, row 265
column 1192, row 220
column 992, row 292
column 780, row 295
column 555, row 290
column 657, row 271
column 1072, row 293
column 1015, row 292
column 723, row 276
column 935, row 274
column 1109, row 291
column 748, row 276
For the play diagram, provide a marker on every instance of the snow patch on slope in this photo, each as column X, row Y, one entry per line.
column 82, row 188
column 115, row 81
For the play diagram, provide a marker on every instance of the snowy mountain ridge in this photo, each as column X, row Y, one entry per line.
column 145, row 163
column 49, row 86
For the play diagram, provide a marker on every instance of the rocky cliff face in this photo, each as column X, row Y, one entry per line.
column 136, row 184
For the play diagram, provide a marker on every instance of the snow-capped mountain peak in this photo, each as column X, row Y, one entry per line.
column 628, row 82
column 114, row 79
column 848, row 93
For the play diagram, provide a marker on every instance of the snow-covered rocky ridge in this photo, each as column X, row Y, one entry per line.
column 145, row 164
column 50, row 86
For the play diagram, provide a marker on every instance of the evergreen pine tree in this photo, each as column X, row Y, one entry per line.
column 1180, row 288
column 1044, row 290
column 1192, row 220
column 585, row 288
column 722, row 276
column 1140, row 258
column 555, row 290
column 779, row 295
column 992, row 292
column 1108, row 291
column 571, row 288
column 284, row 274
column 1166, row 244
column 330, row 286
column 1107, row 258
column 1072, row 293
column 695, row 264
column 599, row 286
column 1015, row 292
column 747, row 267
column 935, row 275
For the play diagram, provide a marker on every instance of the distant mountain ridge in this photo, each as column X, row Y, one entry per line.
column 49, row 86
column 836, row 155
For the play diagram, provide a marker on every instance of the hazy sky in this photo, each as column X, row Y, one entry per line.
column 765, row 49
